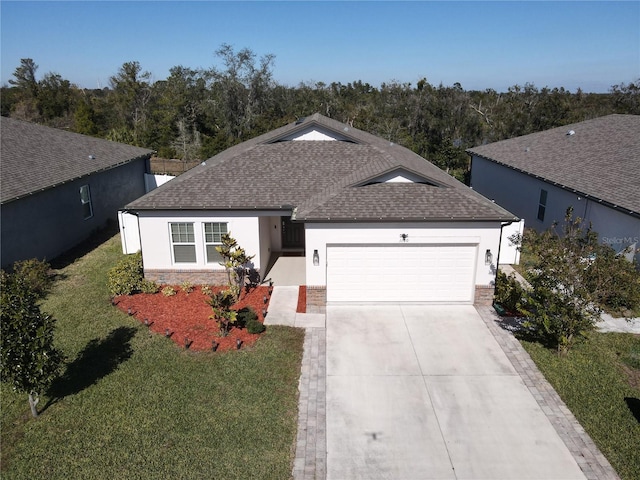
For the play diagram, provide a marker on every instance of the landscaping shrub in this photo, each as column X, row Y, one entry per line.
column 168, row 291
column 508, row 292
column 148, row 286
column 246, row 315
column 255, row 326
column 206, row 290
column 248, row 318
column 127, row 277
column 615, row 280
column 221, row 304
column 35, row 274
column 187, row 287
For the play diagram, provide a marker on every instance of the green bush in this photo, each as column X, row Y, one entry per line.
column 127, row 277
column 508, row 292
column 615, row 281
column 255, row 326
column 35, row 274
column 246, row 315
column 168, row 291
column 148, row 286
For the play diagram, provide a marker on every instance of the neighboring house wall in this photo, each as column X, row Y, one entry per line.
column 253, row 233
column 319, row 235
column 520, row 193
column 48, row 223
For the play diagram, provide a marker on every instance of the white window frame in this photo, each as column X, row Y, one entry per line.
column 212, row 242
column 183, row 240
column 85, row 199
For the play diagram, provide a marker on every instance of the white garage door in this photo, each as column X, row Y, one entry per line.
column 400, row 273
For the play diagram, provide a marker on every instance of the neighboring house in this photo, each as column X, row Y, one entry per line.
column 374, row 221
column 592, row 166
column 58, row 187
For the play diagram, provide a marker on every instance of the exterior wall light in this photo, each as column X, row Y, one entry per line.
column 488, row 257
column 316, row 258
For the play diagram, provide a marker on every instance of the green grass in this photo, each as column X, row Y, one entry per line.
column 135, row 405
column 599, row 380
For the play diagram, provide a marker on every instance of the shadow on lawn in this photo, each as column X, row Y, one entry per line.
column 634, row 406
column 97, row 360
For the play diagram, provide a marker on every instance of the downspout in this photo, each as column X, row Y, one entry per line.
column 502, row 225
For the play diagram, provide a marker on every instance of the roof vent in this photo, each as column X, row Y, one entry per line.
column 571, row 132
column 92, row 157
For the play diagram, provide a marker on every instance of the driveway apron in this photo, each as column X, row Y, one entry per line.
column 426, row 392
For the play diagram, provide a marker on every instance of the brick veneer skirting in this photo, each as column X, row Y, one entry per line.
column 316, row 296
column 196, row 277
column 484, row 295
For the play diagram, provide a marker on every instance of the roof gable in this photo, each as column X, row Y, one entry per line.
column 314, row 133
column 35, row 157
column 598, row 158
column 399, row 175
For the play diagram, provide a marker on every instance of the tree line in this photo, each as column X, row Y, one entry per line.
column 195, row 113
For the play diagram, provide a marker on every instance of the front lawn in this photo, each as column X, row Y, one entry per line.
column 599, row 380
column 135, row 405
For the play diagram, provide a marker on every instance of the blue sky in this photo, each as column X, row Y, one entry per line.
column 591, row 45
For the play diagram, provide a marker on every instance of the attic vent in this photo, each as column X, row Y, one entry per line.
column 571, row 132
column 92, row 157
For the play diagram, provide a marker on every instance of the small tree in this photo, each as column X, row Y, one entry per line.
column 235, row 260
column 221, row 304
column 28, row 359
column 560, row 307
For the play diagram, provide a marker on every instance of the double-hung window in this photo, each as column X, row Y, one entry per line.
column 542, row 205
column 213, row 232
column 183, row 242
column 85, row 201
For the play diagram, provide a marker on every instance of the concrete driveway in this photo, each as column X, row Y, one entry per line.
column 426, row 392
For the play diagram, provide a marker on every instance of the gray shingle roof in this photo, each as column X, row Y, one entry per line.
column 34, row 157
column 321, row 179
column 601, row 159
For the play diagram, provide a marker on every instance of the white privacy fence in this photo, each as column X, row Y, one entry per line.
column 128, row 222
column 509, row 253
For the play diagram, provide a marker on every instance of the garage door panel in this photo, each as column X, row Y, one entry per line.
column 406, row 273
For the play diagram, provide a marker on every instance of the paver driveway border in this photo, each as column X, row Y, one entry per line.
column 310, row 456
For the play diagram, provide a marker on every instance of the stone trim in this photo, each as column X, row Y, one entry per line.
column 484, row 295
column 316, row 297
column 196, row 277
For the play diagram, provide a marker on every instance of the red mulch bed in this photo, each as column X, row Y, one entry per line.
column 302, row 299
column 187, row 316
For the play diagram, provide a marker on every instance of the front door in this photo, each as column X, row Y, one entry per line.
column 292, row 234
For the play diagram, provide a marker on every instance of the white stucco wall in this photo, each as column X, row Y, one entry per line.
column 520, row 194
column 319, row 235
column 156, row 240
column 315, row 134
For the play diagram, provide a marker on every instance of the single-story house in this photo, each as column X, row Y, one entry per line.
column 374, row 221
column 592, row 166
column 59, row 187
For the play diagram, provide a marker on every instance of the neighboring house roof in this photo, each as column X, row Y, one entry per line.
column 599, row 160
column 322, row 180
column 35, row 157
